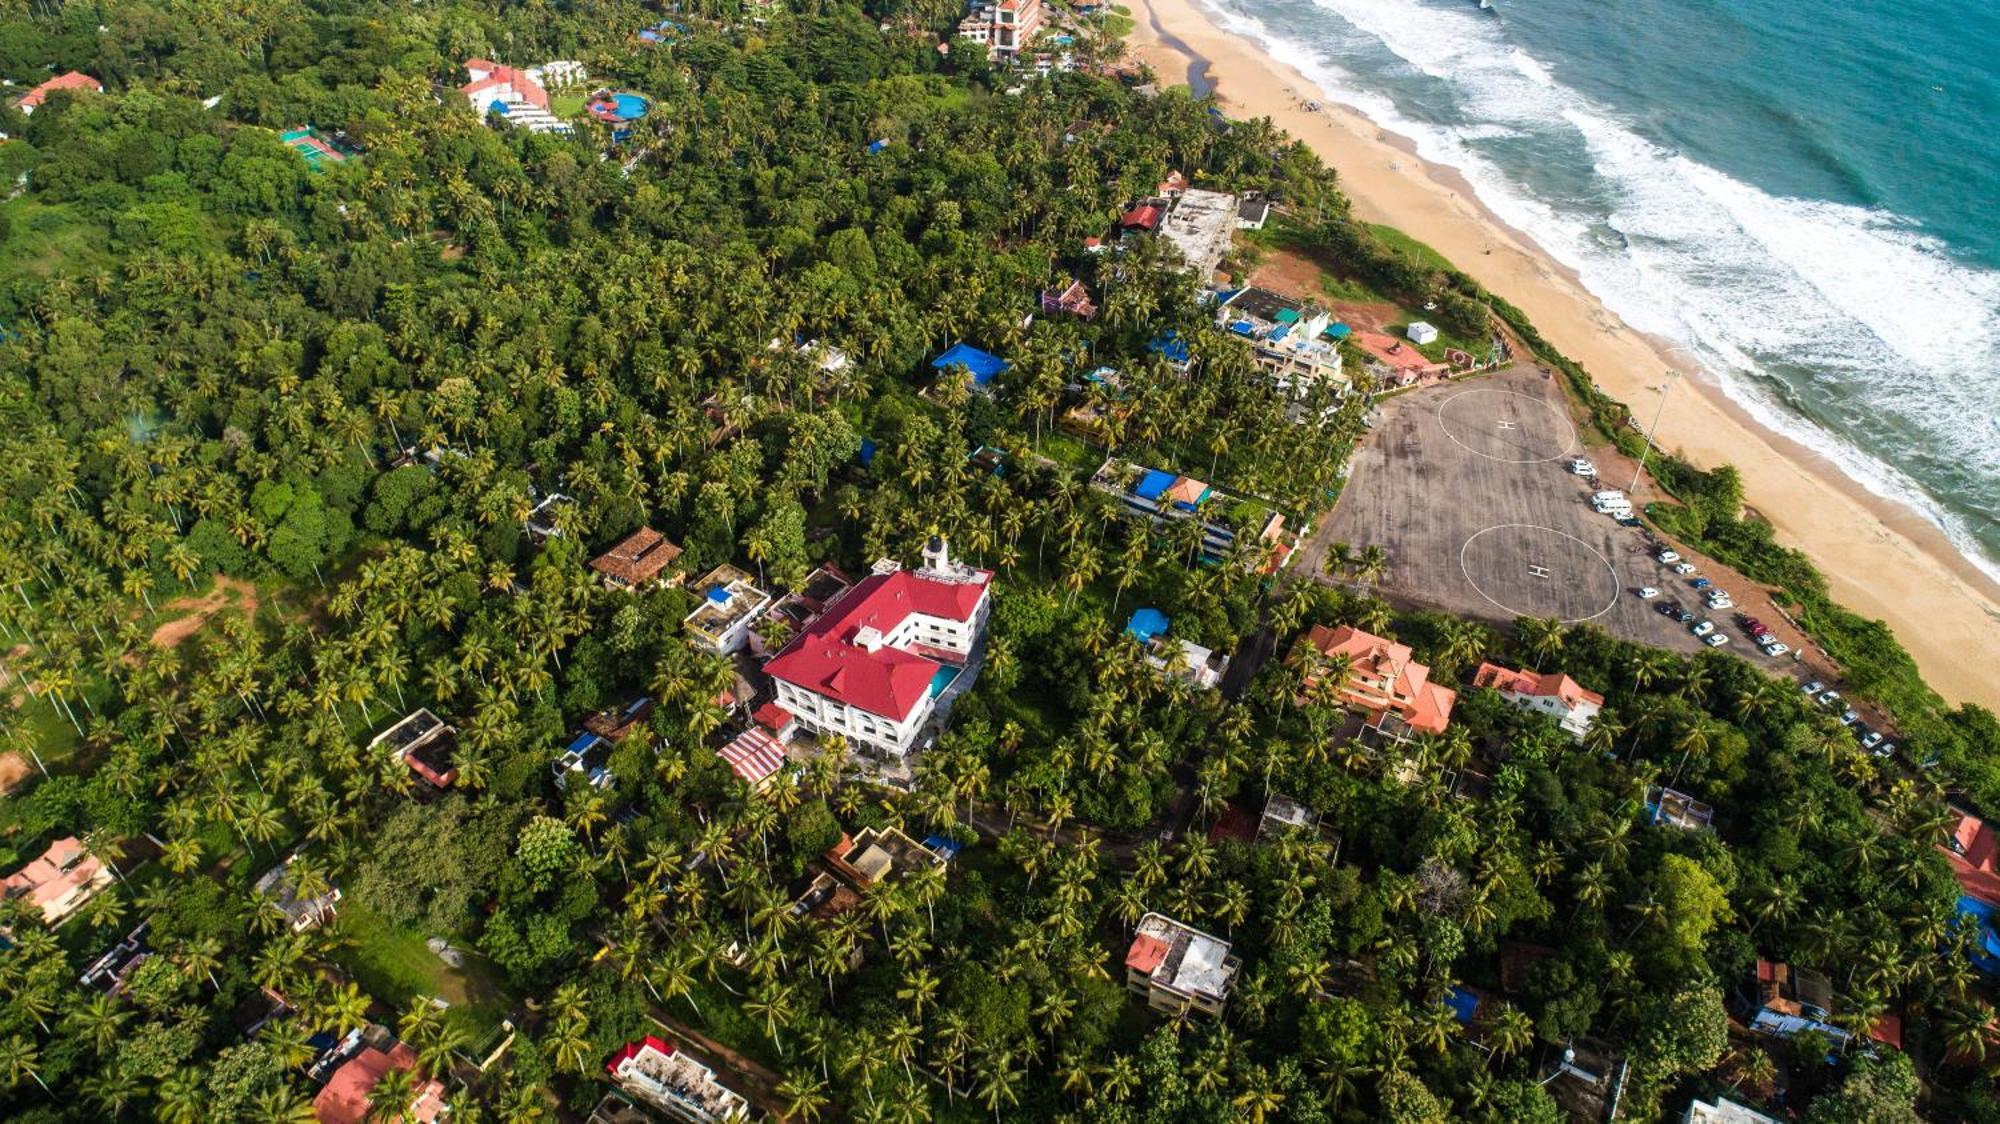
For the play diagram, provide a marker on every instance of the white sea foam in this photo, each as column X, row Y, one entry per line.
column 1789, row 302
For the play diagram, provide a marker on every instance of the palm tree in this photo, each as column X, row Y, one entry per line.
column 20, row 1057
column 805, row 1095
column 1512, row 1031
column 999, row 1081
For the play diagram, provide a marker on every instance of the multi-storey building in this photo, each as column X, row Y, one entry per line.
column 1006, row 27
column 1382, row 681
column 1284, row 336
column 1179, row 968
column 1554, row 694
column 871, row 668
column 730, row 604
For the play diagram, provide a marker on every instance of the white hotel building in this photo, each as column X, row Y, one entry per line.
column 872, row 666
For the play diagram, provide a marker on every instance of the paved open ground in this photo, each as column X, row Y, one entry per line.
column 1466, row 487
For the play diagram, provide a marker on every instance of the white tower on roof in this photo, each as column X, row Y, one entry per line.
column 937, row 556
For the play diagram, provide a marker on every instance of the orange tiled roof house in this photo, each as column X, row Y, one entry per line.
column 1383, row 682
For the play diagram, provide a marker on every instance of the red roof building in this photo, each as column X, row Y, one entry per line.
column 637, row 560
column 871, row 667
column 1382, row 681
column 74, row 80
column 344, row 1098
column 1553, row 694
column 1974, row 854
column 60, row 882
column 492, row 82
column 1145, row 216
column 669, row 1079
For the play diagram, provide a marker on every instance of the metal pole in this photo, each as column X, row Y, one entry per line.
column 1654, row 428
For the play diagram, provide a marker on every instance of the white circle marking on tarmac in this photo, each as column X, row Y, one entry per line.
column 1453, row 438
column 1616, row 589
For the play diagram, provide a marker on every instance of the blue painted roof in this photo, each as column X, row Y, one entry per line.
column 1171, row 345
column 1151, row 485
column 867, row 454
column 949, row 848
column 1462, row 1003
column 717, row 594
column 583, row 742
column 1145, row 624
column 1339, row 331
column 983, row 365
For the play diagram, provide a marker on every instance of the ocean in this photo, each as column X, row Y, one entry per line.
column 1805, row 194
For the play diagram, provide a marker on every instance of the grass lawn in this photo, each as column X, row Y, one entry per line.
column 1409, row 247
column 42, row 239
column 1069, row 450
column 567, row 105
column 394, row 965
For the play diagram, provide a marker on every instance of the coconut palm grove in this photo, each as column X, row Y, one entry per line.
column 737, row 574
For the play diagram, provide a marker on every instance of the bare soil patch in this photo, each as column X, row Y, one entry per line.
column 14, row 769
column 198, row 610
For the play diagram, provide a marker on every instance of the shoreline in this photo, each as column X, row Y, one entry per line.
column 1880, row 558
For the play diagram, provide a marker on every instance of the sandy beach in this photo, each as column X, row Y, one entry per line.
column 1881, row 559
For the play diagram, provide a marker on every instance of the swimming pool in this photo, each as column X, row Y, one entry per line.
column 631, row 107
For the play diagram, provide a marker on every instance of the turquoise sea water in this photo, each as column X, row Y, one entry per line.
column 1804, row 192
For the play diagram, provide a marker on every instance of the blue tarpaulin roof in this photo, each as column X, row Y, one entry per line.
column 1153, row 484
column 1243, row 327
column 949, row 848
column 583, row 741
column 717, row 594
column 867, row 454
column 1462, row 1003
column 983, row 365
column 1146, row 623
column 1171, row 345
column 875, row 147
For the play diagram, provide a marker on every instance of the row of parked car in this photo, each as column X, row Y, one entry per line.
column 1871, row 738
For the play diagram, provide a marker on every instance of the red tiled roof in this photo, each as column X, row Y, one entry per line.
column 1550, row 685
column 344, row 1100
column 1146, row 954
column 631, row 1050
column 1975, row 859
column 1424, row 705
column 1146, row 216
column 74, row 80
column 754, row 756
column 825, row 660
column 638, row 557
column 1888, row 1030
column 773, row 717
column 45, row 880
column 529, row 90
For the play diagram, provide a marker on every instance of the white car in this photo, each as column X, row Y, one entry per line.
column 1684, row 568
column 1716, row 639
column 1647, row 593
column 1668, row 557
column 1776, row 648
column 1581, row 466
column 1721, row 603
column 1702, row 628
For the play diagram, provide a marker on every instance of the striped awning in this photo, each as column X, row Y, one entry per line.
column 754, row 756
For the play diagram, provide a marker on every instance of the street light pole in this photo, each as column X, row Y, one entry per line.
column 1654, row 428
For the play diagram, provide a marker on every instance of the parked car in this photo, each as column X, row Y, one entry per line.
column 1719, row 602
column 1630, row 521
column 1684, row 567
column 1700, row 583
column 1716, row 639
column 1684, row 616
column 1703, row 628
column 1871, row 739
column 1749, row 622
column 1775, row 647
column 1886, row 749
column 1647, row 593
column 1668, row 557
column 1828, row 698
column 1849, row 716
column 1813, row 688
column 1581, row 466
column 1668, row 608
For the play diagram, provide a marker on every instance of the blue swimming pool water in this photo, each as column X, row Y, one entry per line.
column 630, row 106
column 945, row 674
